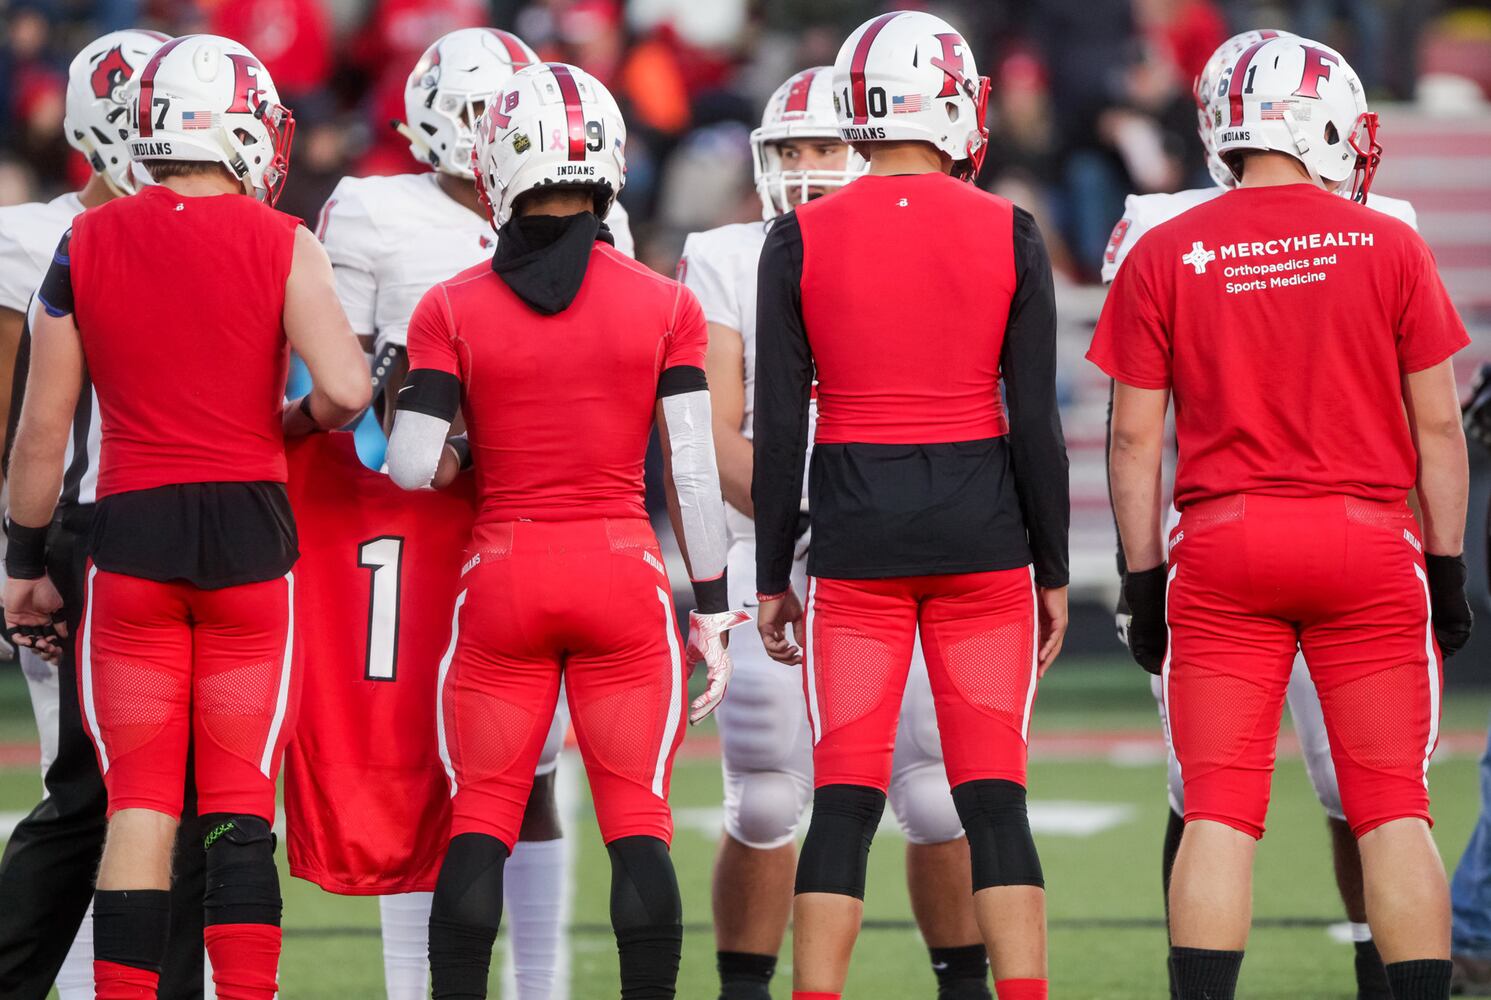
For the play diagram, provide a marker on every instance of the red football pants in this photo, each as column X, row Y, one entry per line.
column 588, row 601
column 1254, row 577
column 164, row 664
column 978, row 634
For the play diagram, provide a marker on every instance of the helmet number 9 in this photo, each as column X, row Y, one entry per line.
column 595, row 136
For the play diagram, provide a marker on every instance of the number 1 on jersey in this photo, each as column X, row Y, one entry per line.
column 384, row 556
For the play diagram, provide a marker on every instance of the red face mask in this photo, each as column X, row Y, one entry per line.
column 1363, row 140
column 280, row 124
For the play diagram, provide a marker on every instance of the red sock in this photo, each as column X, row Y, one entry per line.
column 1021, row 989
column 245, row 960
column 112, row 981
column 810, row 995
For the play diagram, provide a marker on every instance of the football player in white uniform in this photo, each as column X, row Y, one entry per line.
column 95, row 125
column 390, row 240
column 1143, row 212
column 766, row 744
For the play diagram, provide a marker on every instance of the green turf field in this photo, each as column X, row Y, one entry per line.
column 1107, row 937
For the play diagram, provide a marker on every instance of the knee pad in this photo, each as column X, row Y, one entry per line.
column 644, row 888
column 468, row 892
column 242, row 884
column 923, row 805
column 837, row 848
column 999, row 841
column 763, row 808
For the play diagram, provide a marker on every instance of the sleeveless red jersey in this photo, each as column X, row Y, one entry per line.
column 367, row 804
column 559, row 408
column 179, row 302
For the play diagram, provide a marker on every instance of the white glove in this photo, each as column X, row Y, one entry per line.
column 706, row 643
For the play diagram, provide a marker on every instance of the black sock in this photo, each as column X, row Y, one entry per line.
column 464, row 916
column 1175, row 826
column 744, row 975
column 129, row 927
column 1371, row 977
column 647, row 915
column 962, row 973
column 1420, row 979
column 1204, row 974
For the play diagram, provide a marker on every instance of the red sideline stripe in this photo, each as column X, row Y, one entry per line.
column 147, row 86
column 516, row 52
column 857, row 101
column 1235, row 85
column 802, row 86
column 570, row 92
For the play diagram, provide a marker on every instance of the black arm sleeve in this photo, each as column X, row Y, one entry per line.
column 784, row 382
column 431, row 392
column 55, row 293
column 1037, row 447
column 17, row 390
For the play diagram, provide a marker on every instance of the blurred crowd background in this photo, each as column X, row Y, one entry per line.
column 1091, row 98
column 1091, row 102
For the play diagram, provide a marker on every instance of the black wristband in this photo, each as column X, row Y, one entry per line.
column 461, row 445
column 26, row 555
column 711, row 596
column 305, row 407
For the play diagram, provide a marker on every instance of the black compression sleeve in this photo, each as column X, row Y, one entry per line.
column 680, row 379
column 1037, row 447
column 784, row 382
column 17, row 390
column 432, row 392
column 55, row 293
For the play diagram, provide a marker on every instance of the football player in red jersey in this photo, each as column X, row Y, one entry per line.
column 187, row 634
column 562, row 354
column 1292, row 325
column 934, row 512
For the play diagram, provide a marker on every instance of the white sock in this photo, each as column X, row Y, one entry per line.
column 533, row 890
column 1360, row 932
column 406, row 944
column 75, row 978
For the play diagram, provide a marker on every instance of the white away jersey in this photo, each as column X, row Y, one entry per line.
column 1143, row 212
column 28, row 238
column 391, row 239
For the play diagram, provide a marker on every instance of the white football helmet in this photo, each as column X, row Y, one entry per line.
column 448, row 91
column 1295, row 96
column 801, row 108
column 910, row 75
column 550, row 124
column 98, row 96
column 1210, row 91
column 205, row 97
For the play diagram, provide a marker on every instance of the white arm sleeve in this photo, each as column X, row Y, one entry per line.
column 696, row 480
column 353, row 243
column 414, row 448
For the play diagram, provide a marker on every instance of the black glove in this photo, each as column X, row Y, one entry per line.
column 1448, row 606
column 1148, row 634
column 1477, row 412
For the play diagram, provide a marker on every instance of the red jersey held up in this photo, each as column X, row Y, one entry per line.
column 559, row 408
column 1283, row 319
column 367, row 802
column 186, row 394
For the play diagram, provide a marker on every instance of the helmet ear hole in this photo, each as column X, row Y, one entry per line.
column 1332, row 135
column 951, row 108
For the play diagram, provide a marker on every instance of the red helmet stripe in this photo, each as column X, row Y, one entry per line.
column 159, row 36
column 797, row 94
column 1235, row 85
column 859, row 106
column 516, row 53
column 574, row 116
column 147, row 85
